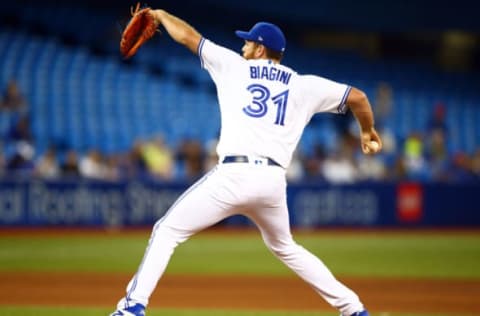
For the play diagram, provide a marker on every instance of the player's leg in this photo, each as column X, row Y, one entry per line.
column 195, row 210
column 273, row 223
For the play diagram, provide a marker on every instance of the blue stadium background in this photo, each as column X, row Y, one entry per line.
column 65, row 58
column 82, row 96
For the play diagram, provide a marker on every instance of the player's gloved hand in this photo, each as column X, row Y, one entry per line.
column 141, row 27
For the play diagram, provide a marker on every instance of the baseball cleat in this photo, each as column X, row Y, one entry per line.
column 362, row 313
column 135, row 310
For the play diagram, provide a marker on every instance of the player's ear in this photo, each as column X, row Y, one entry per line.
column 260, row 51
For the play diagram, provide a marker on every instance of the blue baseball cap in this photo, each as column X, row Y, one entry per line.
column 267, row 34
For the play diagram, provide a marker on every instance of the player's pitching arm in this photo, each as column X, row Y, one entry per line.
column 358, row 103
column 179, row 30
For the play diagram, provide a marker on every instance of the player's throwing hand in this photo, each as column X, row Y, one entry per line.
column 370, row 142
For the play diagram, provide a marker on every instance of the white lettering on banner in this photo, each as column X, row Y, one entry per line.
column 11, row 205
column 335, row 206
column 110, row 205
column 102, row 205
column 148, row 203
column 75, row 205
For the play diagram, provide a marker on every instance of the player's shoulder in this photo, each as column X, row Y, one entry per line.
column 218, row 49
column 310, row 77
column 304, row 80
column 308, row 80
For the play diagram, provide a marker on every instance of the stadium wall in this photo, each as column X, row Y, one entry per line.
column 138, row 203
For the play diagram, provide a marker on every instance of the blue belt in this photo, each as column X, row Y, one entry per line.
column 230, row 159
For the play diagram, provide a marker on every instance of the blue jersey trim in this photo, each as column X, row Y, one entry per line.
column 342, row 108
column 199, row 50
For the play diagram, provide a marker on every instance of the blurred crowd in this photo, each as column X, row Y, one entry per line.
column 421, row 156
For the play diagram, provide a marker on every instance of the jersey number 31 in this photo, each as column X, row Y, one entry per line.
column 259, row 107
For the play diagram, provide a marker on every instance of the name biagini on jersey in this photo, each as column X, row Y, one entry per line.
column 270, row 73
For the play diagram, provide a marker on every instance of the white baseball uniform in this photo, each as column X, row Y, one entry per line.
column 264, row 110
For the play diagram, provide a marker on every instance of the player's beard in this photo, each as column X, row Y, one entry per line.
column 248, row 54
column 249, row 51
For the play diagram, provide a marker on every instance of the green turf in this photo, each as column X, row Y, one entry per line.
column 396, row 255
column 58, row 311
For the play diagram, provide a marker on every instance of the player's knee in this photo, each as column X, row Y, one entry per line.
column 165, row 233
column 283, row 249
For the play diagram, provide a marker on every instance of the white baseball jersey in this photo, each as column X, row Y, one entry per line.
column 265, row 106
column 264, row 109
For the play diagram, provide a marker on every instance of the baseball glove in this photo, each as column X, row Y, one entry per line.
column 141, row 27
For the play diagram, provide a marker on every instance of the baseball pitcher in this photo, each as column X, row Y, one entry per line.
column 264, row 107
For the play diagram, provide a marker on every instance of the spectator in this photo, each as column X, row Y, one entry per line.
column 112, row 167
column 371, row 168
column 190, row 156
column 21, row 163
column 133, row 165
column 47, row 166
column 158, row 158
column 312, row 164
column 436, row 144
column 476, row 164
column 382, row 104
column 339, row 166
column 13, row 99
column 398, row 170
column 414, row 160
column 20, row 130
column 460, row 168
column 92, row 166
column 437, row 121
column 389, row 145
column 437, row 154
column 69, row 167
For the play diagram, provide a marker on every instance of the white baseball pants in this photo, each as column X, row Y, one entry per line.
column 256, row 191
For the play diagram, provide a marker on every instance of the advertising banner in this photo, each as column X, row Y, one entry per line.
column 137, row 203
